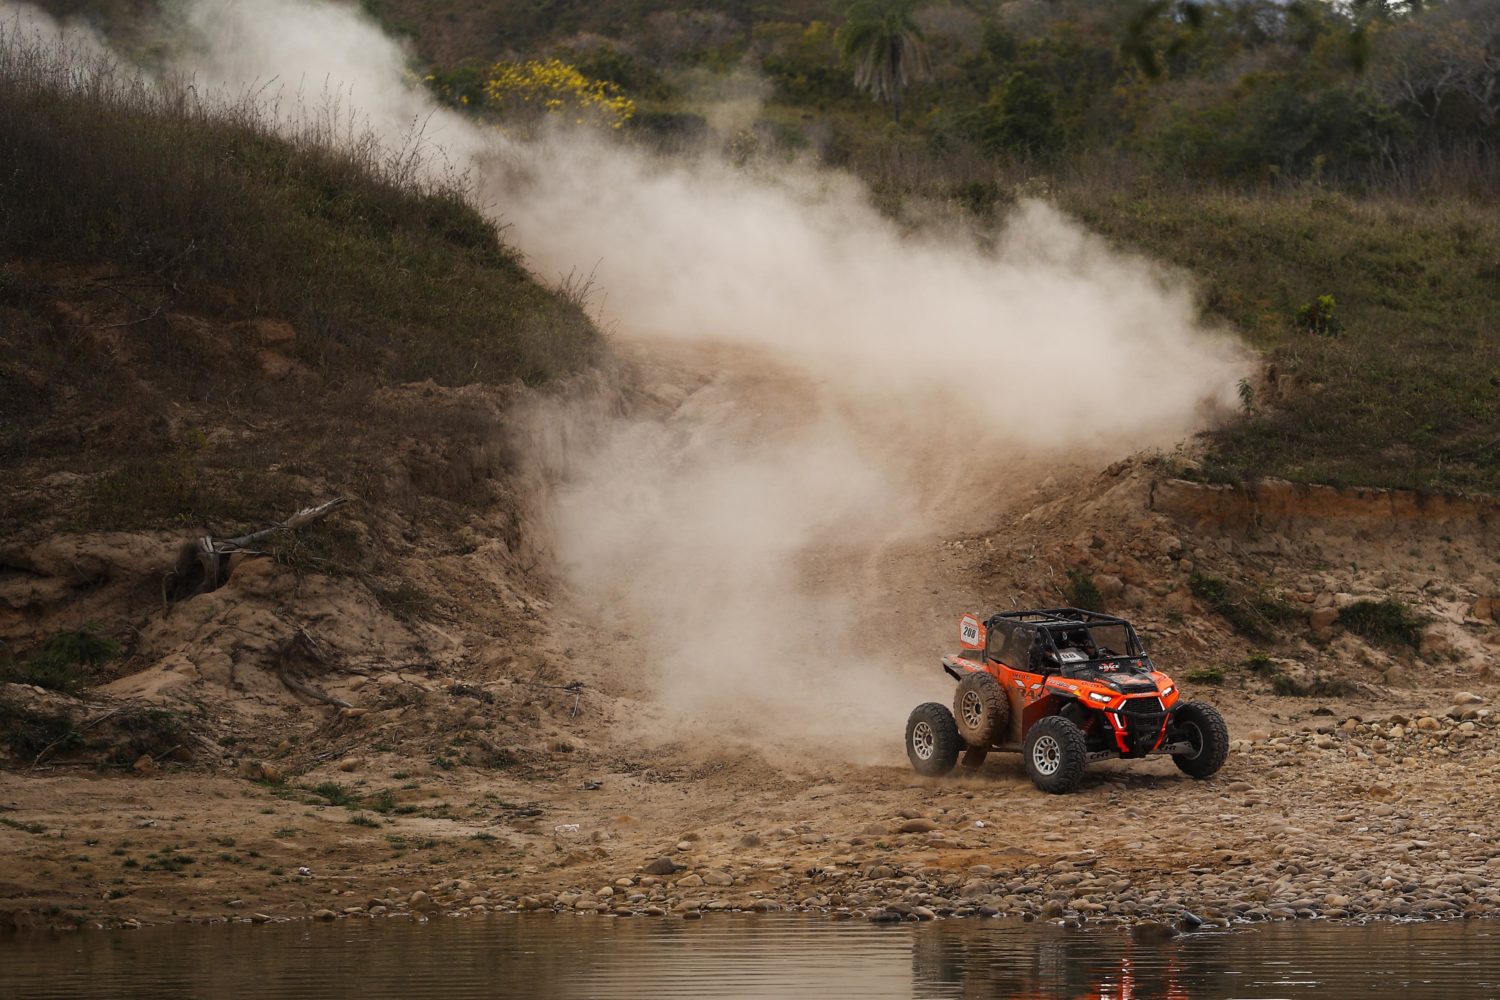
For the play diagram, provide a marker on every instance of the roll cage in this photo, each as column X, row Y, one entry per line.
column 1047, row 639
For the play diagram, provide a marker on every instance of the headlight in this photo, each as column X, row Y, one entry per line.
column 1096, row 696
column 1169, row 690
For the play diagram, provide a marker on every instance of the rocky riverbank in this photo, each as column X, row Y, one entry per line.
column 1338, row 816
column 1395, row 863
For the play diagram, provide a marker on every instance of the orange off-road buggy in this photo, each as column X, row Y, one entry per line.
column 1063, row 687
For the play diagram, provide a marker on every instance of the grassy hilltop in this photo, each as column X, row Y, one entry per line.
column 202, row 314
column 1405, row 391
column 1327, row 175
column 1329, row 178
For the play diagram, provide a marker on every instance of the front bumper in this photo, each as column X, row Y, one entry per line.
column 1140, row 725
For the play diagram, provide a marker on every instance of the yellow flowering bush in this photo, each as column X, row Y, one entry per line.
column 552, row 86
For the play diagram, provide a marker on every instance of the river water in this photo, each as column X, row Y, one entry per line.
column 751, row 956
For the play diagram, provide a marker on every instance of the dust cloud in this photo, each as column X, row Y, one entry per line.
column 824, row 390
column 863, row 389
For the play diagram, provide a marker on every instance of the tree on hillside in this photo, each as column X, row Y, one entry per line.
column 1021, row 120
column 882, row 41
column 1443, row 68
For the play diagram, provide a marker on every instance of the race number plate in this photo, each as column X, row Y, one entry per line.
column 970, row 632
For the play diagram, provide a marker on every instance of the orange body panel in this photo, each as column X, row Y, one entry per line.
column 1033, row 696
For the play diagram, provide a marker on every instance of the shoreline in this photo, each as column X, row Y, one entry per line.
column 1142, row 929
column 1345, row 820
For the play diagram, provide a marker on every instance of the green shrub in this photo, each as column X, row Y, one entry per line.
column 1253, row 614
column 1319, row 686
column 1272, row 608
column 1276, row 126
column 1320, row 316
column 168, row 859
column 334, row 794
column 1021, row 120
column 1260, row 662
column 1211, row 590
column 383, row 802
column 1245, row 389
column 1385, row 621
column 64, row 662
column 629, row 73
column 1081, row 592
column 138, row 731
column 119, row 737
column 22, row 825
column 327, row 547
column 28, row 733
column 802, row 62
column 1206, row 675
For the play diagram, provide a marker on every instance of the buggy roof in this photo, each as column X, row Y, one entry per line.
column 1054, row 618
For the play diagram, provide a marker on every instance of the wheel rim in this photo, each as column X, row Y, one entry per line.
column 1046, row 755
column 922, row 741
column 1195, row 740
column 971, row 709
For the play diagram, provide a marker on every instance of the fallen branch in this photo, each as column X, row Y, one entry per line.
column 202, row 564
column 159, row 757
column 575, row 688
column 118, row 326
column 301, row 519
column 74, row 733
column 309, row 691
column 310, row 647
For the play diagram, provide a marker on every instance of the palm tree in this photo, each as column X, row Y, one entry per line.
column 880, row 38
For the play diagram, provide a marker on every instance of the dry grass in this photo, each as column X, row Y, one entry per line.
column 1407, row 393
column 379, row 261
column 144, row 233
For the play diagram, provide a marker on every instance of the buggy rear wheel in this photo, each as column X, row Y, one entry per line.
column 932, row 740
column 1203, row 728
column 981, row 710
column 1055, row 753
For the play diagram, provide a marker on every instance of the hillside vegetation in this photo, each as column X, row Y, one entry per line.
column 1398, row 384
column 1326, row 173
column 202, row 306
column 385, row 272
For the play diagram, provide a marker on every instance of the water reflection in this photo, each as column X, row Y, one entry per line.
column 1044, row 962
column 745, row 956
column 1029, row 962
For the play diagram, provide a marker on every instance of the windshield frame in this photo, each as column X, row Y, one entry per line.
column 1133, row 647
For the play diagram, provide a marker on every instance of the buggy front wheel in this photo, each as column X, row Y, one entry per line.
column 1203, row 729
column 1055, row 753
